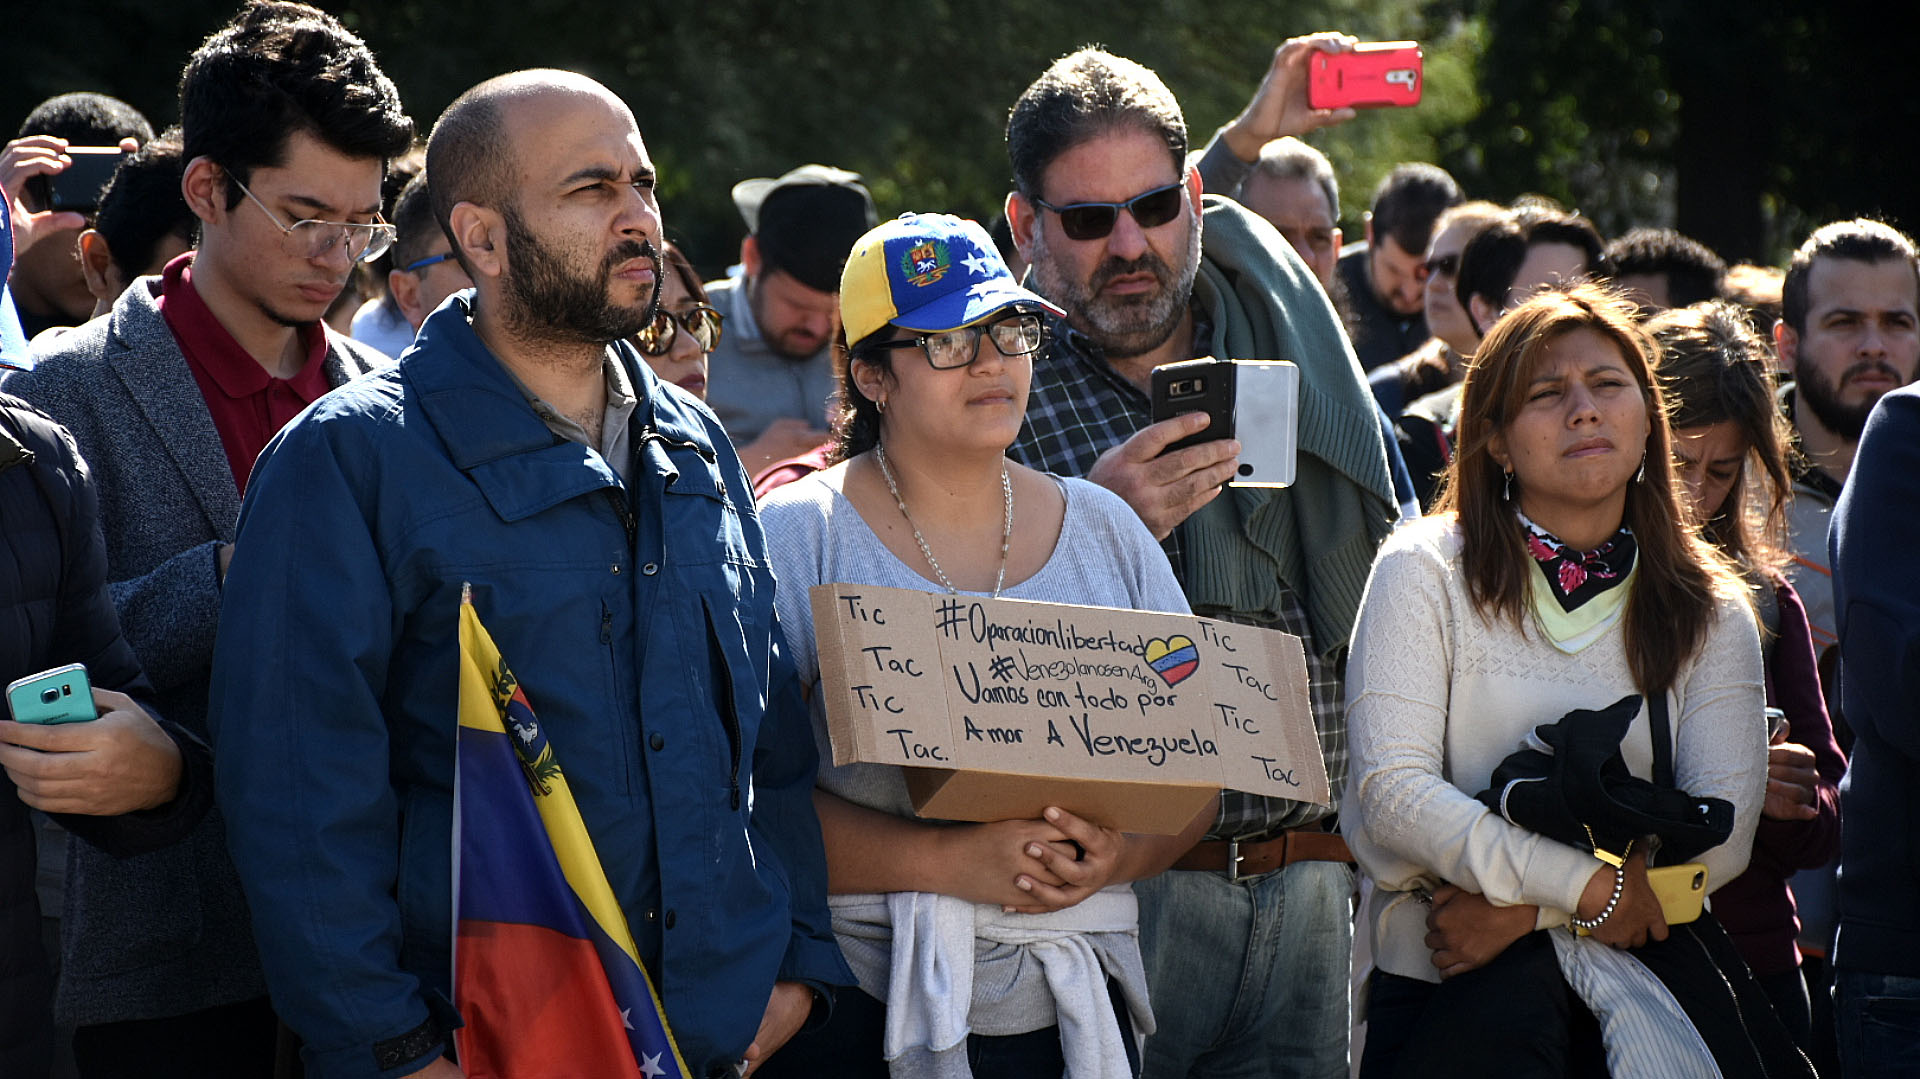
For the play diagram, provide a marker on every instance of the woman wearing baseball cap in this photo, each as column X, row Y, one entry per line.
column 923, row 496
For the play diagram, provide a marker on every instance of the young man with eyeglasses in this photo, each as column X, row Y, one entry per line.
column 1247, row 940
column 287, row 124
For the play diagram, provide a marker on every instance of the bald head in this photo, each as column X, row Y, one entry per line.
column 474, row 152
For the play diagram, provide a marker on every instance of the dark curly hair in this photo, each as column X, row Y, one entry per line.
column 278, row 68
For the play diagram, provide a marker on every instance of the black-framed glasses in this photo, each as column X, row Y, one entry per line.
column 1021, row 335
column 702, row 323
column 1445, row 265
column 431, row 260
column 1094, row 220
column 311, row 238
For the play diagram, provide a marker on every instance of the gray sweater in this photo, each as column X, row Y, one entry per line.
column 164, row 933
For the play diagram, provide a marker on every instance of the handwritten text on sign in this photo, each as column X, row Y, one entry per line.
column 1048, row 689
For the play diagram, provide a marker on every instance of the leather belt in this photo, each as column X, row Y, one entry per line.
column 1240, row 860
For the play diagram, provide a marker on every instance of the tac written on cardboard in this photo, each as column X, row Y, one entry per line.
column 1001, row 707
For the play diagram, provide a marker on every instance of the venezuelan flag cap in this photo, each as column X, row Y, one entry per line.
column 927, row 272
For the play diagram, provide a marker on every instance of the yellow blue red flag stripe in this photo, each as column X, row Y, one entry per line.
column 546, row 976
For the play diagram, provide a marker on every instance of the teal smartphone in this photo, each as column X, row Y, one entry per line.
column 61, row 695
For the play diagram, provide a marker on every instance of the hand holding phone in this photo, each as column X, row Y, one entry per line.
column 78, row 186
column 1279, row 107
column 1793, row 783
column 1163, row 484
column 119, row 763
column 25, row 161
column 1377, row 74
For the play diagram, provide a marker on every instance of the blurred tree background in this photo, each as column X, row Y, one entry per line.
column 1740, row 123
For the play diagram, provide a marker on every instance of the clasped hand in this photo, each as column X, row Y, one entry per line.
column 1035, row 866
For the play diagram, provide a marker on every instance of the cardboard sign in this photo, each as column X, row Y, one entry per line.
column 1002, row 707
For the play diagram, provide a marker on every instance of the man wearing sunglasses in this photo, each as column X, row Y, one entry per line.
column 1247, row 940
column 287, row 124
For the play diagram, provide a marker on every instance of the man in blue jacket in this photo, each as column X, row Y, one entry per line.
column 605, row 527
column 1876, row 595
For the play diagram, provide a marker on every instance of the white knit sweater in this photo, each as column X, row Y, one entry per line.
column 1438, row 695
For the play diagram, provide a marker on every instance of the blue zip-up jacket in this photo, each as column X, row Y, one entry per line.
column 640, row 622
column 1876, row 598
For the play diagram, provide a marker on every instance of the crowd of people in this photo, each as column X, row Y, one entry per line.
column 1593, row 548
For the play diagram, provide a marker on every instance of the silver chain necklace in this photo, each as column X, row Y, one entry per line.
column 1006, row 531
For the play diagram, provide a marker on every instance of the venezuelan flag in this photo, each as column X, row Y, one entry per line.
column 545, row 971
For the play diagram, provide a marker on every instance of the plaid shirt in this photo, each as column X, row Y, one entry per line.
column 1079, row 408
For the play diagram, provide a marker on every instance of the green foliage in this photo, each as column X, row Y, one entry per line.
column 1576, row 108
column 1582, row 100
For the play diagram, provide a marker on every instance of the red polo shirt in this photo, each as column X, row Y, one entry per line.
column 248, row 405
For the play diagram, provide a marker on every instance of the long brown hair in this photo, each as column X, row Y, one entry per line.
column 1680, row 576
column 1714, row 369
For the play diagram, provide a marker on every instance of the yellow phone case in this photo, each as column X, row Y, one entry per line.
column 1682, row 890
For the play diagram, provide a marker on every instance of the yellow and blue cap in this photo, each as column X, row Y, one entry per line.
column 927, row 272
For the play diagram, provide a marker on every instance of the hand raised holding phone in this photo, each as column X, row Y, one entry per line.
column 117, row 763
column 1279, row 107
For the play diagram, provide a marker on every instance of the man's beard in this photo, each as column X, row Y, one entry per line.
column 546, row 297
column 1822, row 397
column 1121, row 326
column 780, row 343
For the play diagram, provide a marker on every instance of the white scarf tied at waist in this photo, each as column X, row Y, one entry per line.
column 930, row 987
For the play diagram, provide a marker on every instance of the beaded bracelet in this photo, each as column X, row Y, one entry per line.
column 1591, row 924
column 1619, row 864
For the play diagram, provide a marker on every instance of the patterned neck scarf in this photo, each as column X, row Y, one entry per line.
column 1577, row 576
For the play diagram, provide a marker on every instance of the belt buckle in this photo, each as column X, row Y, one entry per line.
column 1234, row 858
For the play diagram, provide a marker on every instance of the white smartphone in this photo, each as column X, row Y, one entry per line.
column 1255, row 401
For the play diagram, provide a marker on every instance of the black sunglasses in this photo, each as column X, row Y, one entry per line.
column 1444, row 265
column 1094, row 220
column 702, row 323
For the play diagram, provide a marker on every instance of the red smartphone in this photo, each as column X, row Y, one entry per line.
column 1378, row 74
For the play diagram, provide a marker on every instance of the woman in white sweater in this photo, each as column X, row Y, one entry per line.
column 1007, row 949
column 1555, row 574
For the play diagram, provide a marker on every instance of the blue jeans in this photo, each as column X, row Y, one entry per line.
column 1879, row 1019
column 1248, row 980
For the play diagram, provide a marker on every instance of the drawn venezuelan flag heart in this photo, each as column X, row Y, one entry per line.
column 1173, row 658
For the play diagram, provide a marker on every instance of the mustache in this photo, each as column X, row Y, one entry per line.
column 1114, row 267
column 629, row 250
column 1874, row 367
